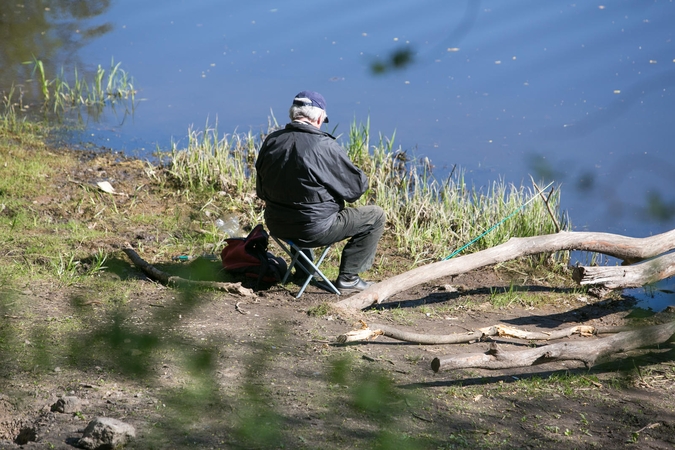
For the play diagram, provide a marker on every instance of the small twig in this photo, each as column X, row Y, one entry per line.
column 79, row 183
column 594, row 383
column 548, row 206
column 170, row 280
column 648, row 427
column 239, row 309
column 452, row 172
column 417, row 416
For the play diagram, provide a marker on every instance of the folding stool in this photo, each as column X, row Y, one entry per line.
column 311, row 269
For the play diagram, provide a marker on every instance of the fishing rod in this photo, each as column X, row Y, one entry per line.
column 497, row 224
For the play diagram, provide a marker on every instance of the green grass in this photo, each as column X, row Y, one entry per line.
column 503, row 298
column 513, row 296
column 427, row 218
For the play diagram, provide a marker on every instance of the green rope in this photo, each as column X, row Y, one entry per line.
column 497, row 224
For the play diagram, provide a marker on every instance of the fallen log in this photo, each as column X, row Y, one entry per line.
column 170, row 280
column 621, row 277
column 622, row 247
column 586, row 351
column 374, row 330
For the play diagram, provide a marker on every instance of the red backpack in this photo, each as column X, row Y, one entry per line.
column 249, row 256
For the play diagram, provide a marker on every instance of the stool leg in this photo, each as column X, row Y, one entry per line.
column 294, row 260
column 304, row 286
column 296, row 255
column 315, row 268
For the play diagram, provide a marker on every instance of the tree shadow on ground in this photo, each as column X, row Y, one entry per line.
column 588, row 311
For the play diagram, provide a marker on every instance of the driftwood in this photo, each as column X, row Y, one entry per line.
column 626, row 248
column 615, row 277
column 588, row 351
column 170, row 280
column 371, row 332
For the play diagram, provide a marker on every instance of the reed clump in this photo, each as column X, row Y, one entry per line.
column 64, row 92
column 427, row 217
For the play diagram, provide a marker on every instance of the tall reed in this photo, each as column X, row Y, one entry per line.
column 222, row 163
column 13, row 117
column 106, row 87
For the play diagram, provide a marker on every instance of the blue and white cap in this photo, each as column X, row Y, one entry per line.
column 310, row 98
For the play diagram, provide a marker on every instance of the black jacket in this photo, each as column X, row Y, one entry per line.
column 305, row 178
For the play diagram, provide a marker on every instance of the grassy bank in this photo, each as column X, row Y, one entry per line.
column 427, row 218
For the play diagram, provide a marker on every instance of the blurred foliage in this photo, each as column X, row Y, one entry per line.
column 403, row 57
column 398, row 59
column 543, row 168
column 658, row 208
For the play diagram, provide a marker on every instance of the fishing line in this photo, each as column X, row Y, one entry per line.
column 498, row 223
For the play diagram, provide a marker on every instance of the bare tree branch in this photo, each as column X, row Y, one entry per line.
column 169, row 280
column 621, row 277
column 622, row 247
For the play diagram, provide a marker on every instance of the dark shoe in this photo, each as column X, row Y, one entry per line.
column 351, row 283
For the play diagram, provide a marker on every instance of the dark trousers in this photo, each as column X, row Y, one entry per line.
column 363, row 226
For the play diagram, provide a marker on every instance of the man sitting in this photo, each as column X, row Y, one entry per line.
column 305, row 178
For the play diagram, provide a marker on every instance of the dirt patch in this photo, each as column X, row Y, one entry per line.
column 212, row 370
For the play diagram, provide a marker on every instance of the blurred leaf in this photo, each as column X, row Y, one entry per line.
column 543, row 169
column 586, row 181
column 398, row 59
column 658, row 208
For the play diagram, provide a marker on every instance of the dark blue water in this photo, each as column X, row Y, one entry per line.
column 577, row 93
